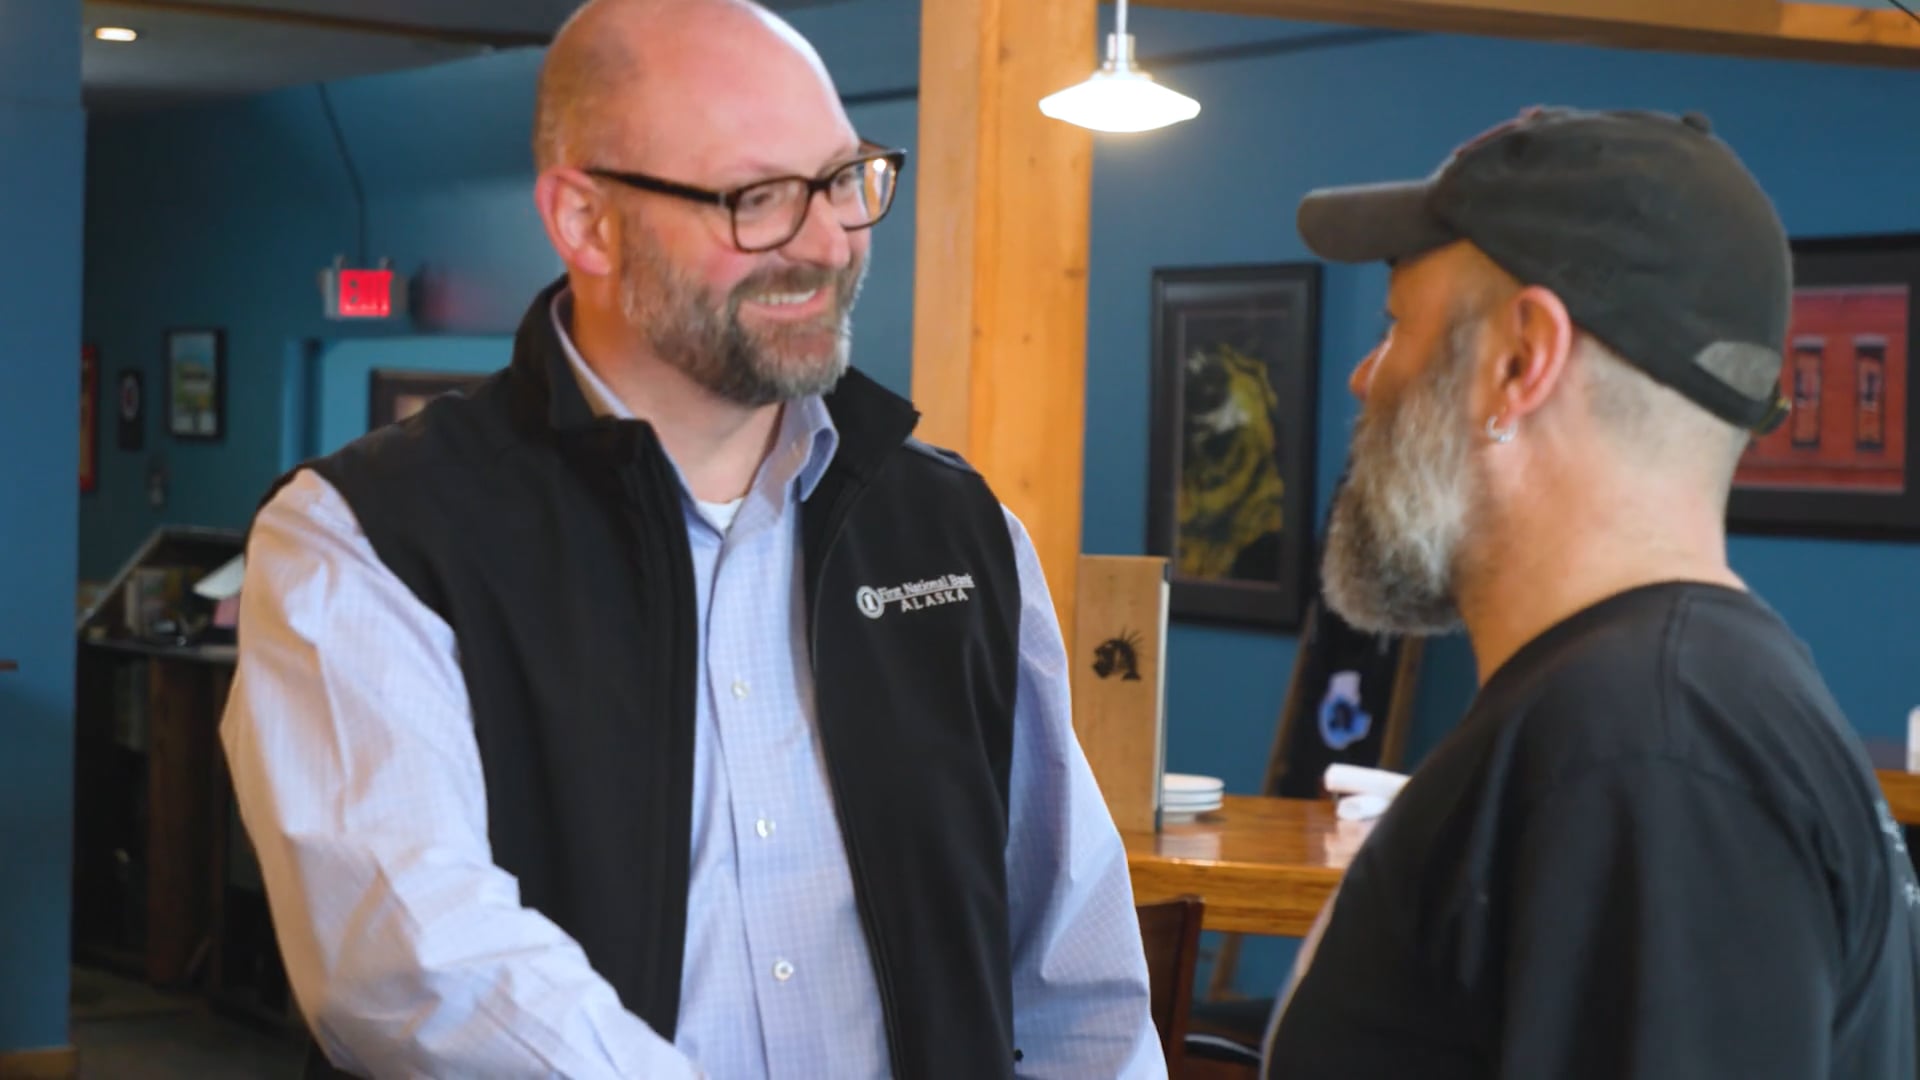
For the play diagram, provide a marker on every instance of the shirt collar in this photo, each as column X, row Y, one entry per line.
column 806, row 428
column 599, row 399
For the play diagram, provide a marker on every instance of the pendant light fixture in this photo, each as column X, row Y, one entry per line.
column 1119, row 97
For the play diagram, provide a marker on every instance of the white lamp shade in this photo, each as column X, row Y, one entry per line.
column 1124, row 100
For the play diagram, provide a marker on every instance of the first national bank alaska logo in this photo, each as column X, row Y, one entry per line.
column 914, row 595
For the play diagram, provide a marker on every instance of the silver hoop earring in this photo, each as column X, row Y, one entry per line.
column 1500, row 434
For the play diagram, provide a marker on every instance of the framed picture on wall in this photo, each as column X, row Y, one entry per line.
column 89, row 417
column 392, row 396
column 1350, row 701
column 196, row 383
column 130, row 406
column 1230, row 495
column 1844, row 463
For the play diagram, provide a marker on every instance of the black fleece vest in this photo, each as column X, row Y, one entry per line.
column 555, row 546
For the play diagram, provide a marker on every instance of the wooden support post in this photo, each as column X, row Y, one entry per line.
column 1000, row 293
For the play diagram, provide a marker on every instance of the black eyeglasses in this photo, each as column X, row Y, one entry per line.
column 768, row 213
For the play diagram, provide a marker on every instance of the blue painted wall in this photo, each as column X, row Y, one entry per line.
column 222, row 214
column 42, row 133
column 1223, row 189
column 344, row 369
column 1818, row 137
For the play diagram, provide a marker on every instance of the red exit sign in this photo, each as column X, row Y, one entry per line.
column 366, row 294
column 362, row 294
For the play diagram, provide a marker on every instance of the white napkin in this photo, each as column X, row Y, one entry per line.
column 1361, row 807
column 1364, row 793
column 1342, row 779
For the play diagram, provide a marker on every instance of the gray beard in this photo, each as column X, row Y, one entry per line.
column 710, row 345
column 1394, row 537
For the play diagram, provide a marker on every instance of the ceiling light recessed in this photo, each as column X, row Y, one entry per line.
column 116, row 33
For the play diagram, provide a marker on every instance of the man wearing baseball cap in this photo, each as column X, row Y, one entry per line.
column 1653, row 847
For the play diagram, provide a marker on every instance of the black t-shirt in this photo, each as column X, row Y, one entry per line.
column 1653, row 848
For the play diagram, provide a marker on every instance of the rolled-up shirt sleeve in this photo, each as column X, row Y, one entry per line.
column 358, row 778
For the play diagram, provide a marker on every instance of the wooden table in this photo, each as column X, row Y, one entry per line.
column 1266, row 865
column 1900, row 783
column 1263, row 865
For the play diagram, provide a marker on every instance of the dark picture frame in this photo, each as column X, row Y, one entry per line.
column 130, row 407
column 1236, row 356
column 196, row 376
column 1350, row 700
column 89, row 417
column 1845, row 464
column 394, row 395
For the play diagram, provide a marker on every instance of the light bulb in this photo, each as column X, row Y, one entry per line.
column 1120, row 101
column 1119, row 97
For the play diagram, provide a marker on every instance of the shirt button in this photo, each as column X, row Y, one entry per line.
column 782, row 970
column 739, row 689
column 764, row 827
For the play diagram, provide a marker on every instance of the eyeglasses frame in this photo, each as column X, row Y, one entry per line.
column 730, row 199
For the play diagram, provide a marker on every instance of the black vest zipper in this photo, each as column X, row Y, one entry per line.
column 882, row 964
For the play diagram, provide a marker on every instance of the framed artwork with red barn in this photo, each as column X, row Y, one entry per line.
column 1844, row 463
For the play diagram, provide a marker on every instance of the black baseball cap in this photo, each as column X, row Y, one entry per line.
column 1647, row 226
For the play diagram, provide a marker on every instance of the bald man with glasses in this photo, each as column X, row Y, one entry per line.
column 661, row 707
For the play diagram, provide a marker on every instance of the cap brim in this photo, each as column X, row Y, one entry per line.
column 1372, row 222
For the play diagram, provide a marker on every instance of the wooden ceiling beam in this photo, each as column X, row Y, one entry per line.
column 1770, row 29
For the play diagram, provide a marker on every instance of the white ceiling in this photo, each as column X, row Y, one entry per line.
column 191, row 50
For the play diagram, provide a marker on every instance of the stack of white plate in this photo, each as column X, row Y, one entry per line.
column 1184, row 797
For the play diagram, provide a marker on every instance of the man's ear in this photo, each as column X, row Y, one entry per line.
column 578, row 220
column 1537, row 338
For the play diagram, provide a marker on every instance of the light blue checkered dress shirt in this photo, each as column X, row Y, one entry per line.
column 359, row 781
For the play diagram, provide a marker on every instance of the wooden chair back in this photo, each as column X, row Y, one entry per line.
column 1170, row 931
